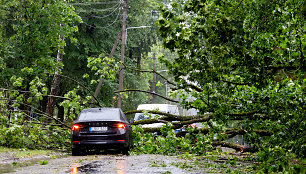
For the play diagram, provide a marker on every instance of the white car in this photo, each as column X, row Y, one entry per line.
column 171, row 109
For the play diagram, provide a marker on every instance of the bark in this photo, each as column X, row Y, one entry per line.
column 237, row 147
column 138, row 64
column 182, row 121
column 43, row 103
column 233, row 132
column 168, row 116
column 61, row 111
column 51, row 100
column 55, row 82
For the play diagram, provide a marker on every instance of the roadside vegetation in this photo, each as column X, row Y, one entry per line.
column 235, row 60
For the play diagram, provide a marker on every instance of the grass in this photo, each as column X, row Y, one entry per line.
column 24, row 153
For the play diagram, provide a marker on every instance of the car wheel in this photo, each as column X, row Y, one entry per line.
column 125, row 151
column 75, row 151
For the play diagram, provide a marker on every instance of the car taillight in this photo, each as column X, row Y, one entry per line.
column 76, row 127
column 121, row 125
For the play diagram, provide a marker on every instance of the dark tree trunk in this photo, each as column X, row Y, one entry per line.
column 138, row 63
column 61, row 111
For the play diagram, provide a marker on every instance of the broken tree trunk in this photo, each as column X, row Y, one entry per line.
column 55, row 82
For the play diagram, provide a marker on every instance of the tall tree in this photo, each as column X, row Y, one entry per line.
column 242, row 60
column 102, row 20
column 32, row 44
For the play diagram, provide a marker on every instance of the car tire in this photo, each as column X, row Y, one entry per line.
column 75, row 152
column 125, row 151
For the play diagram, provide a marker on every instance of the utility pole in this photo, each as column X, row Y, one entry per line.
column 121, row 74
column 154, row 79
column 93, row 99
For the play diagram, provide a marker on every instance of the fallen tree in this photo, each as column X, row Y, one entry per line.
column 178, row 121
column 234, row 61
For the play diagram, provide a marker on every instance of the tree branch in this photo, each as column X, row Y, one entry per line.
column 196, row 88
column 235, row 83
column 237, row 147
column 152, row 93
column 3, row 89
column 175, row 125
column 231, row 132
column 83, row 86
column 275, row 68
column 250, row 115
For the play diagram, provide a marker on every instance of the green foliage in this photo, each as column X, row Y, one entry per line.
column 276, row 159
column 33, row 136
column 103, row 66
column 169, row 143
column 243, row 57
column 43, row 162
column 32, row 42
column 74, row 106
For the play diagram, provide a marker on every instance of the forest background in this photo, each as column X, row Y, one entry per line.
column 231, row 60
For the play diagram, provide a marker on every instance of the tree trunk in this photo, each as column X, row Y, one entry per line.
column 61, row 111
column 55, row 82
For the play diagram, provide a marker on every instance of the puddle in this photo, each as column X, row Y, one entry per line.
column 119, row 167
column 89, row 168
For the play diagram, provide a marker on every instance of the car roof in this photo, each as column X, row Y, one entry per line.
column 102, row 114
column 172, row 109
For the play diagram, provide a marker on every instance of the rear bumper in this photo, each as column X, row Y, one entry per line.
column 101, row 141
column 102, row 144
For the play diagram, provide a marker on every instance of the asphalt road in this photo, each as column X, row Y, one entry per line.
column 121, row 164
column 110, row 162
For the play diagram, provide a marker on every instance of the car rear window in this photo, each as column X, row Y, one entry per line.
column 100, row 115
column 141, row 116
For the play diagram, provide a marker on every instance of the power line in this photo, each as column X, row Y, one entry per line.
column 99, row 10
column 95, row 3
column 107, row 25
column 102, row 17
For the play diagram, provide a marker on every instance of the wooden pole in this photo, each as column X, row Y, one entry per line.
column 121, row 74
column 154, row 79
column 101, row 80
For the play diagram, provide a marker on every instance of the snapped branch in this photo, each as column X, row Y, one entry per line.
column 149, row 92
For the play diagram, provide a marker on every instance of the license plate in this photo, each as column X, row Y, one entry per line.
column 98, row 129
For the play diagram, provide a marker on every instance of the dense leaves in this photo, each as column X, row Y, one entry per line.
column 247, row 61
column 32, row 33
column 233, row 59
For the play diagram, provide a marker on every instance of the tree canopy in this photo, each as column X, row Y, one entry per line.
column 231, row 60
column 242, row 60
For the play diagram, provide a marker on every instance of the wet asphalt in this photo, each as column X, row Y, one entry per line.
column 94, row 164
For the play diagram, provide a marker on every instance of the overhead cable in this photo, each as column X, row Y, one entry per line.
column 107, row 25
column 99, row 10
column 95, row 3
